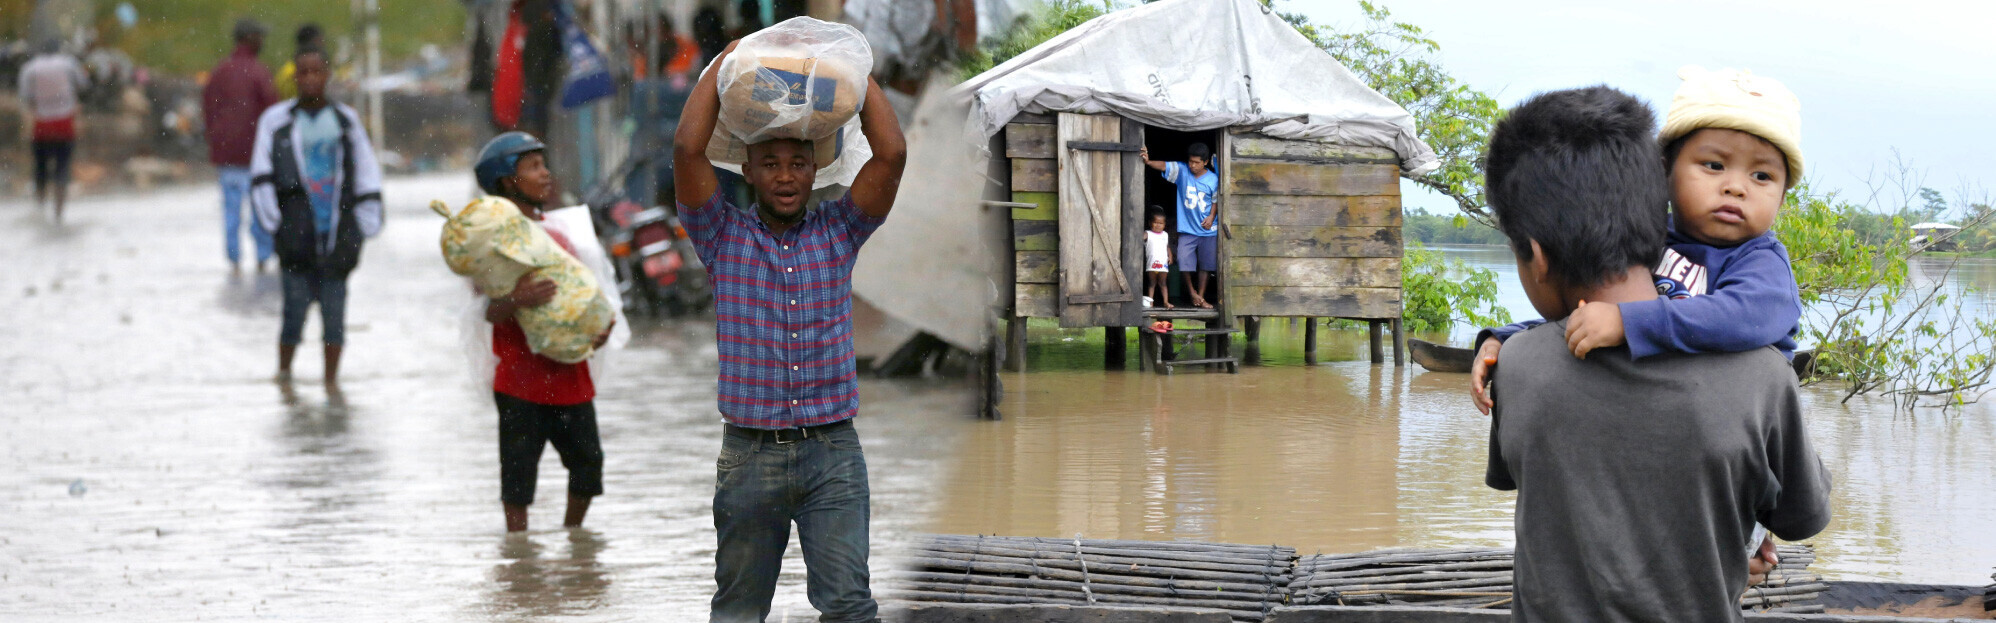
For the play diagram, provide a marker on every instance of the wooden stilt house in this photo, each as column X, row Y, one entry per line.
column 1308, row 158
column 1308, row 229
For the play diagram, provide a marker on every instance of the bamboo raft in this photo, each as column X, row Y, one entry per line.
column 1481, row 578
column 1247, row 581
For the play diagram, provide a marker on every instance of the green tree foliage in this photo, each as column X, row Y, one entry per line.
column 1421, row 227
column 1049, row 19
column 1832, row 259
column 1438, row 292
column 1978, row 235
column 1875, row 328
column 1397, row 60
column 1931, row 206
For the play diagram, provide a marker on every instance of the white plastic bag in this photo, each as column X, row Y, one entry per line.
column 801, row 79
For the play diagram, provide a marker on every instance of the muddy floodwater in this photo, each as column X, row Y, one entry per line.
column 1348, row 456
column 151, row 469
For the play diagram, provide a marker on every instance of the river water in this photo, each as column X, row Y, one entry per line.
column 1348, row 456
column 152, row 470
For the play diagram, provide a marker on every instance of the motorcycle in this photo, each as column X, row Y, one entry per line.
column 659, row 272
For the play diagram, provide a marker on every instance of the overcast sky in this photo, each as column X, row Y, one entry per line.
column 1915, row 75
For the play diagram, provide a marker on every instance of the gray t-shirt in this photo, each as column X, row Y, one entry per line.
column 1639, row 482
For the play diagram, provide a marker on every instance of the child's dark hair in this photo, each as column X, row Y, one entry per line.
column 1576, row 171
column 1200, row 151
column 308, row 36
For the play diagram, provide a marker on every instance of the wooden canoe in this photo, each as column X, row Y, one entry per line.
column 1440, row 358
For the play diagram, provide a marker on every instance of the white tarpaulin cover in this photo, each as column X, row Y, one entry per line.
column 1198, row 65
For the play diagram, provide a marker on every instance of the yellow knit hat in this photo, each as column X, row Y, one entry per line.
column 1737, row 100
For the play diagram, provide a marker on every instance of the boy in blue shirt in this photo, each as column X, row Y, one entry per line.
column 1198, row 234
column 1732, row 146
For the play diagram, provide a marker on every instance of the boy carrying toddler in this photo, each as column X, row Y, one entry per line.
column 1639, row 479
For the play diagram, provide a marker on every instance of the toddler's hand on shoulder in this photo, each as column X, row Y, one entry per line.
column 1593, row 325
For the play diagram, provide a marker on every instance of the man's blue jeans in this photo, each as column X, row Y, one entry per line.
column 235, row 194
column 761, row 486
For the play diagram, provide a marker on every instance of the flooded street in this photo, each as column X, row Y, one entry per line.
column 151, row 465
column 1347, row 456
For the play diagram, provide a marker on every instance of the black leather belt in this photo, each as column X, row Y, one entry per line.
column 787, row 435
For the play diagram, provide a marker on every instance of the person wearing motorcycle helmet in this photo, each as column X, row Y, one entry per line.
column 541, row 401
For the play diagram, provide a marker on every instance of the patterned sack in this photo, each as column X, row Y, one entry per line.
column 491, row 242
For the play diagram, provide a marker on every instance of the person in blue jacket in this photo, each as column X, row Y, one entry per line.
column 1732, row 145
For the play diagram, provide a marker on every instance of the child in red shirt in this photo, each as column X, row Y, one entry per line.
column 541, row 401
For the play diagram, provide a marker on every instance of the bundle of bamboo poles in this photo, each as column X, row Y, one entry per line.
column 1481, row 578
column 1248, row 581
column 1464, row 578
column 1790, row 587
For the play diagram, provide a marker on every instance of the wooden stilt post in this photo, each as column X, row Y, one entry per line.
column 1146, row 350
column 1251, row 349
column 1378, row 349
column 1015, row 344
column 990, row 380
column 1115, row 348
column 1399, row 344
column 1310, row 341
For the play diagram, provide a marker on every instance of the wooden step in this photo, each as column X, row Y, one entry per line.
column 1196, row 362
column 1205, row 331
column 1233, row 365
column 1181, row 313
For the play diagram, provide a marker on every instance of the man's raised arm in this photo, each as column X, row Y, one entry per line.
column 879, row 179
column 692, row 174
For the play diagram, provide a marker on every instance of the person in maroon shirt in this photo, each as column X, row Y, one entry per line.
column 238, row 92
column 541, row 401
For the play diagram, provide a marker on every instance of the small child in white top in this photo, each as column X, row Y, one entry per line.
column 1157, row 262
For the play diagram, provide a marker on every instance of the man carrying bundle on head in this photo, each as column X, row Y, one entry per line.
column 782, row 274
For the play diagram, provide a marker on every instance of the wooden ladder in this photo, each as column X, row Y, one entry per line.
column 1156, row 350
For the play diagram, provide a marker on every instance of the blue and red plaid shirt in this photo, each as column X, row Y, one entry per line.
column 783, row 306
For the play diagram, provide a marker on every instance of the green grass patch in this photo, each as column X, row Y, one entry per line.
column 189, row 36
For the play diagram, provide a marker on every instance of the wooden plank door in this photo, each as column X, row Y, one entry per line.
column 1097, row 285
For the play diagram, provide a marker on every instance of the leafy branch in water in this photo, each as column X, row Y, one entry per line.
column 1436, row 292
column 1880, row 323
